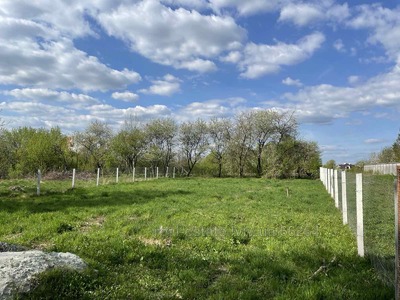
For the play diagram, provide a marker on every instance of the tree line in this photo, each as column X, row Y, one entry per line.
column 388, row 154
column 252, row 143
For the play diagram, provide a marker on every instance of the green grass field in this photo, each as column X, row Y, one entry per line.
column 191, row 239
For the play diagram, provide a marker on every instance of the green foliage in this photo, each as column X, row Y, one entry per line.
column 254, row 143
column 26, row 150
column 191, row 239
column 94, row 143
column 330, row 164
column 293, row 158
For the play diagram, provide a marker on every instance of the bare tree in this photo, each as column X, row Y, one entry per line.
column 193, row 138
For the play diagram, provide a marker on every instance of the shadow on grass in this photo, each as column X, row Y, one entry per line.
column 143, row 272
column 51, row 201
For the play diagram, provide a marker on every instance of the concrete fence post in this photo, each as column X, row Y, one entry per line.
column 336, row 188
column 344, row 197
column 73, row 178
column 360, row 217
column 39, row 178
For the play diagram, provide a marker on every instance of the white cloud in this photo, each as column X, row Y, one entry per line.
column 264, row 59
column 191, row 4
column 339, row 46
column 323, row 103
column 232, row 57
column 35, row 56
column 166, row 86
column 211, row 108
column 354, row 79
column 180, row 38
column 245, row 8
column 374, row 141
column 125, row 96
column 292, row 82
column 384, row 24
column 38, row 95
column 302, row 14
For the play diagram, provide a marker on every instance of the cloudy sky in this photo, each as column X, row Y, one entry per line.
column 336, row 64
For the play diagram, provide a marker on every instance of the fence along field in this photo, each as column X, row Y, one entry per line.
column 367, row 205
column 190, row 238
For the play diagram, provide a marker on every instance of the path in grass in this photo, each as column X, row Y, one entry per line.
column 192, row 239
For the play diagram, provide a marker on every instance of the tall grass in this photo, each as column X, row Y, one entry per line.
column 191, row 239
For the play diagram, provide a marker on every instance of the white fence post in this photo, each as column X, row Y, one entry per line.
column 331, row 192
column 39, row 178
column 116, row 178
column 328, row 180
column 173, row 173
column 344, row 197
column 98, row 177
column 360, row 218
column 166, row 173
column 336, row 191
column 73, row 178
column 397, row 233
column 157, row 173
column 145, row 173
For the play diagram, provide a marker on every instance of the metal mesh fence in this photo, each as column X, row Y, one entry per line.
column 379, row 224
column 378, row 192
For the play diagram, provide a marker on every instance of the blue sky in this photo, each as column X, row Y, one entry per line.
column 336, row 64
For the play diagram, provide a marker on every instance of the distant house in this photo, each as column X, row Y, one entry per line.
column 346, row 166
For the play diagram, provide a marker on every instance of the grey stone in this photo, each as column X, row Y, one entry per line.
column 17, row 269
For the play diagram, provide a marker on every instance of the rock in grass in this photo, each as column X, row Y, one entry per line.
column 6, row 247
column 17, row 269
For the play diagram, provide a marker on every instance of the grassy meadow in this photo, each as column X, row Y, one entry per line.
column 190, row 239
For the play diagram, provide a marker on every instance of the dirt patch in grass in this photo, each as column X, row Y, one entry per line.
column 155, row 242
column 97, row 221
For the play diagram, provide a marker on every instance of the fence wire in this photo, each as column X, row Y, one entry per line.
column 379, row 224
column 379, row 218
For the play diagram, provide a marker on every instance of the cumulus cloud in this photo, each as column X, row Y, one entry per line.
column 52, row 97
column 245, row 8
column 323, row 103
column 36, row 57
column 175, row 37
column 302, row 14
column 264, row 59
column 384, row 24
column 292, row 82
column 125, row 96
column 166, row 86
column 211, row 108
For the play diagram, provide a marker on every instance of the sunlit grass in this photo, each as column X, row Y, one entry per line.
column 191, row 239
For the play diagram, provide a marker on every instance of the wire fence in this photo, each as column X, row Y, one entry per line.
column 376, row 234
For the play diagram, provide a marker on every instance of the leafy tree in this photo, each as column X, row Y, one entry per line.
column 220, row 131
column 160, row 134
column 94, row 142
column 193, row 137
column 241, row 144
column 330, row 164
column 129, row 144
column 30, row 149
column 265, row 129
column 396, row 149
